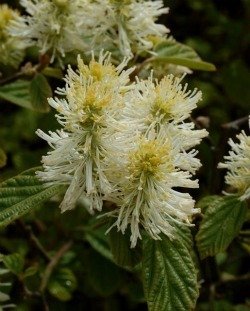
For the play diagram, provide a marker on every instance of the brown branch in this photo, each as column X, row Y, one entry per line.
column 28, row 70
column 45, row 304
column 235, row 124
column 52, row 264
column 33, row 239
column 11, row 78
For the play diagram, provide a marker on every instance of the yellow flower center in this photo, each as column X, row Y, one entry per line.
column 6, row 15
column 242, row 183
column 155, row 39
column 96, row 70
column 149, row 158
column 120, row 2
column 93, row 106
column 61, row 3
column 163, row 108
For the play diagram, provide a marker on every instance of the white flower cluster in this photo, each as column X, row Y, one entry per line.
column 89, row 116
column 238, row 165
column 60, row 26
column 52, row 25
column 11, row 48
column 126, row 143
column 127, row 25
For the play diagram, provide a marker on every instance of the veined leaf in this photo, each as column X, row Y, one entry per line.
column 104, row 276
column 206, row 201
column 14, row 262
column 123, row 255
column 95, row 234
column 173, row 52
column 40, row 90
column 21, row 194
column 169, row 275
column 28, row 94
column 183, row 234
column 221, row 223
column 99, row 241
column 17, row 92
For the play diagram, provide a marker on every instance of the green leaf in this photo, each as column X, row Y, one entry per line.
column 99, row 240
column 22, row 193
column 104, row 276
column 221, row 223
column 53, row 72
column 40, row 91
column 62, row 283
column 241, row 308
column 14, row 262
column 206, row 201
column 173, row 52
column 183, row 234
column 123, row 255
column 231, row 75
column 222, row 305
column 30, row 271
column 169, row 275
column 3, row 158
column 17, row 92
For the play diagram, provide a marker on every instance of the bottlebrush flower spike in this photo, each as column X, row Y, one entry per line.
column 126, row 25
column 147, row 194
column 238, row 165
column 158, row 160
column 11, row 47
column 89, row 116
column 52, row 25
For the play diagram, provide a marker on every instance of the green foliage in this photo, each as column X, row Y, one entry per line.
column 206, row 201
column 99, row 240
column 28, row 94
column 170, row 277
column 21, row 194
column 30, row 271
column 103, row 275
column 40, row 91
column 123, row 255
column 100, row 271
column 237, row 71
column 53, row 72
column 17, row 92
column 173, row 52
column 3, row 158
column 14, row 263
column 222, row 222
column 62, row 284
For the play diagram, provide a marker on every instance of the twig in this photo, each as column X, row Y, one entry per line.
column 52, row 264
column 139, row 68
column 11, row 78
column 28, row 69
column 45, row 304
column 34, row 240
column 235, row 124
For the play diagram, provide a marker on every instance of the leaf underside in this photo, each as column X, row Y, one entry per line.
column 176, row 53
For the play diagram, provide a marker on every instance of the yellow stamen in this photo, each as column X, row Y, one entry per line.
column 149, row 158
